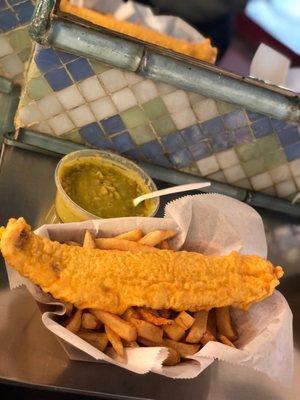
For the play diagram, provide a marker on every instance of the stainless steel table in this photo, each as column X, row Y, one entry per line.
column 30, row 355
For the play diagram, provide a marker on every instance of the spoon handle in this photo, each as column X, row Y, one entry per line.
column 174, row 189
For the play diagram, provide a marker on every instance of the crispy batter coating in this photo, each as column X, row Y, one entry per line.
column 113, row 280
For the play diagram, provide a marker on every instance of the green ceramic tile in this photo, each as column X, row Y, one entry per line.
column 19, row 39
column 33, row 71
column 37, row 88
column 195, row 98
column 253, row 167
column 225, row 107
column 134, row 117
column 247, row 151
column 274, row 159
column 155, row 108
column 142, row 134
column 270, row 191
column 243, row 183
column 164, row 125
column 25, row 100
column 73, row 136
column 191, row 169
column 268, row 144
column 25, row 54
column 99, row 67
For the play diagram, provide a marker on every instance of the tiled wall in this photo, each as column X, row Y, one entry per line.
column 86, row 101
column 15, row 44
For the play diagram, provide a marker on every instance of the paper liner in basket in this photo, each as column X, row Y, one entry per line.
column 211, row 224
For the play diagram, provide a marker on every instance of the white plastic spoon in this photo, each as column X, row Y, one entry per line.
column 174, row 189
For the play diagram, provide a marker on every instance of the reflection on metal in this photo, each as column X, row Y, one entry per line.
column 49, row 145
column 68, row 33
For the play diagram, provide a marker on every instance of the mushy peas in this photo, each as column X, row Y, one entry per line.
column 103, row 188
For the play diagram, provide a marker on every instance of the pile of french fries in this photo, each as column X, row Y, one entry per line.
column 183, row 333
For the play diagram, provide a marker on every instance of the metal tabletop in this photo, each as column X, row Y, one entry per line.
column 31, row 355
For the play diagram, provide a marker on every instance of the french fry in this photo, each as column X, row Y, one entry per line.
column 130, row 313
column 211, row 330
column 198, row 328
column 147, row 330
column 130, row 344
column 173, row 358
column 164, row 245
column 183, row 349
column 88, row 321
column 148, row 343
column 135, row 235
column 184, row 320
column 166, row 313
column 174, row 331
column 122, row 244
column 153, row 317
column 223, row 339
column 224, row 323
column 72, row 243
column 97, row 339
column 123, row 328
column 89, row 240
column 69, row 308
column 155, row 237
column 74, row 323
column 115, row 341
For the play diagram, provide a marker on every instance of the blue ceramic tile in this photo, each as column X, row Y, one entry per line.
column 24, row 11
column 93, row 134
column 8, row 20
column 47, row 59
column 66, row 57
column 292, row 151
column 289, row 135
column 154, row 152
column 242, row 135
column 279, row 124
column 3, row 5
column 80, row 69
column 122, row 142
column 58, row 79
column 134, row 154
column 222, row 142
column 235, row 119
column 254, row 116
column 192, row 134
column 113, row 124
column 212, row 127
column 262, row 127
column 12, row 2
column 200, row 150
column 181, row 158
column 173, row 142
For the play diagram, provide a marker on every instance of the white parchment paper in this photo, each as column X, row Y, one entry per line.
column 211, row 224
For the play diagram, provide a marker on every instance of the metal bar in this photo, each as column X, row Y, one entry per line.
column 90, row 43
column 40, row 20
column 219, row 86
column 42, row 143
column 5, row 85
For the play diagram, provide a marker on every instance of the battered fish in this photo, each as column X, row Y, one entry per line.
column 113, row 280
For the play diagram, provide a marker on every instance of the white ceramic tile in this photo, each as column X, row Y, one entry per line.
column 208, row 165
column 195, row 97
column 295, row 167
column 61, row 124
column 176, row 101
column 206, row 109
column 217, row 176
column 144, row 91
column 49, row 106
column 12, row 65
column 164, row 88
column 29, row 115
column 227, row 158
column 297, row 180
column 183, row 119
column 132, row 78
column 103, row 108
column 82, row 115
column 235, row 173
column 113, row 80
column 42, row 127
column 70, row 97
column 124, row 99
column 261, row 181
column 270, row 191
column 244, row 183
column 91, row 89
column 285, row 188
column 5, row 47
column 280, row 173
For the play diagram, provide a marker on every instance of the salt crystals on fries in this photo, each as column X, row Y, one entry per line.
column 182, row 333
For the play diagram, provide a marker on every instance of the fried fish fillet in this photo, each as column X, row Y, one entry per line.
column 113, row 280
